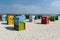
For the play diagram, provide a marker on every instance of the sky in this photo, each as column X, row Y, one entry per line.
column 30, row 6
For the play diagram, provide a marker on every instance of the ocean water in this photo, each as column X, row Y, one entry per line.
column 59, row 16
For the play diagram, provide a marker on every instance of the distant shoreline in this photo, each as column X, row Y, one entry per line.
column 34, row 14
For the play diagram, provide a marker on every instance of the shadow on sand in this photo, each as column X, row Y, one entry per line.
column 40, row 23
column 27, row 21
column 10, row 28
column 4, row 23
column 37, row 23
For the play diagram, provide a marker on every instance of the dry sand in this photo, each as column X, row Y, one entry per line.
column 34, row 31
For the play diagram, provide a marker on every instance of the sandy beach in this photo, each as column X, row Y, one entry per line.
column 33, row 31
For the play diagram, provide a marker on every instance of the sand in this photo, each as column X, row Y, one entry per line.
column 33, row 31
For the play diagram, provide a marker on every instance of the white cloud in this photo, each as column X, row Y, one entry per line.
column 18, row 8
column 26, row 8
column 55, row 7
column 56, row 4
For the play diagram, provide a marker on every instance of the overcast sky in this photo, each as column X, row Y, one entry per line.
column 30, row 6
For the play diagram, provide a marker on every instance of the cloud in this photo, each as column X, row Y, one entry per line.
column 54, row 8
column 56, row 4
column 18, row 8
column 28, row 8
